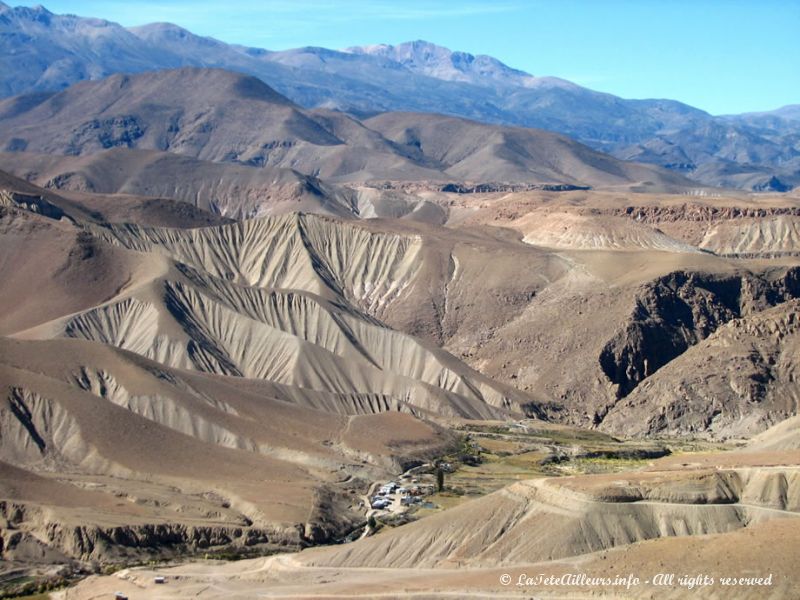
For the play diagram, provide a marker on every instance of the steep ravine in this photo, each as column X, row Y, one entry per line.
column 679, row 310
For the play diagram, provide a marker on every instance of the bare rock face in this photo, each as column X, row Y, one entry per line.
column 32, row 203
column 737, row 382
column 678, row 311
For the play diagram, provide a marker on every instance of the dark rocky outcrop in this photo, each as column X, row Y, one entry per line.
column 681, row 309
column 36, row 204
column 737, row 382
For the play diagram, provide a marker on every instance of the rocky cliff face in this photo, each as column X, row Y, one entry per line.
column 673, row 315
column 677, row 311
column 739, row 381
column 655, row 214
column 36, row 204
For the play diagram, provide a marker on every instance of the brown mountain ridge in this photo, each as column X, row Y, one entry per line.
column 217, row 115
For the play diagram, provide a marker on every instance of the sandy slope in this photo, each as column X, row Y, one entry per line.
column 783, row 436
column 573, row 231
column 230, row 190
column 61, row 267
column 227, row 313
column 242, row 410
column 718, row 521
column 193, row 455
column 601, row 253
column 548, row 519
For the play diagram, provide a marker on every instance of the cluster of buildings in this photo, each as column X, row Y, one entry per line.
column 409, row 493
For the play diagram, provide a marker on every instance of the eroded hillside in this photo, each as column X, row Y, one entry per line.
column 239, row 385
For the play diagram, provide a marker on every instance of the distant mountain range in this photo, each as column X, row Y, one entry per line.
column 44, row 52
column 225, row 117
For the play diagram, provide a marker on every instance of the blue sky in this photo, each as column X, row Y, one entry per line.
column 724, row 56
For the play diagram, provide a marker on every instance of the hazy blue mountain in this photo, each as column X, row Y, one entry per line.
column 789, row 112
column 424, row 58
column 41, row 51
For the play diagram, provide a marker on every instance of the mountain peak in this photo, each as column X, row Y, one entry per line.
column 159, row 28
column 429, row 59
column 33, row 13
column 220, row 83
